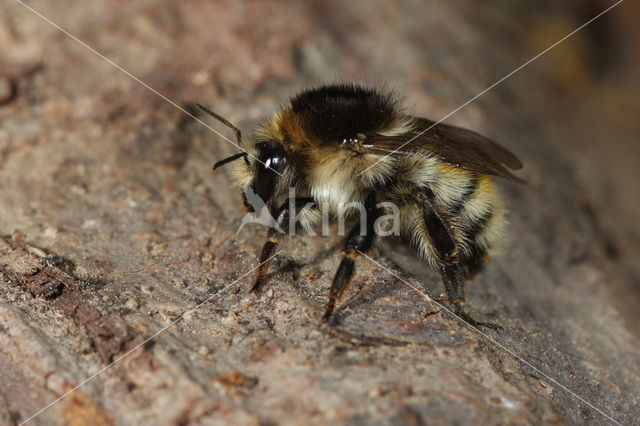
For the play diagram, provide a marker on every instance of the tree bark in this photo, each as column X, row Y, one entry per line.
column 121, row 271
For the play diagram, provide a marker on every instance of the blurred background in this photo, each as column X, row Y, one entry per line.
column 107, row 198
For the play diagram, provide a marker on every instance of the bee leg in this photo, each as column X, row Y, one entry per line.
column 359, row 240
column 269, row 247
column 465, row 316
column 450, row 268
column 356, row 242
column 452, row 279
column 273, row 236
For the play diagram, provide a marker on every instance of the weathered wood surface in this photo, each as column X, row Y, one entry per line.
column 113, row 225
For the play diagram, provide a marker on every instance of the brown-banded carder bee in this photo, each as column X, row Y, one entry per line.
column 346, row 143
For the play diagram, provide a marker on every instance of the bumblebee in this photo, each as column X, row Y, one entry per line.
column 346, row 143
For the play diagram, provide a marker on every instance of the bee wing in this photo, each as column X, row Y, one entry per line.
column 459, row 147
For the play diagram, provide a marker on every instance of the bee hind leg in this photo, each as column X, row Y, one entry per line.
column 477, row 324
column 451, row 270
column 452, row 279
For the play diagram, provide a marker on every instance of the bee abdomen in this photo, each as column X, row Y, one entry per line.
column 481, row 217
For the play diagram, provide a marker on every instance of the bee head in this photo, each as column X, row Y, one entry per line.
column 269, row 166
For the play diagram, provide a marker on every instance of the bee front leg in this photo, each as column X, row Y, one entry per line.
column 274, row 235
column 448, row 257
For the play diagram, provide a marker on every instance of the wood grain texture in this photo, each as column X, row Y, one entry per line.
column 113, row 224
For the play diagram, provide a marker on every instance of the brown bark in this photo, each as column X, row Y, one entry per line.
column 113, row 225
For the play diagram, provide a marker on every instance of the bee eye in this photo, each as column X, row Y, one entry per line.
column 273, row 160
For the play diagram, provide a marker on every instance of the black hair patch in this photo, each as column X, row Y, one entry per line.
column 335, row 112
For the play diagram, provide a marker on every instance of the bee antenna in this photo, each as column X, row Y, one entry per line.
column 230, row 159
column 235, row 130
column 223, row 121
